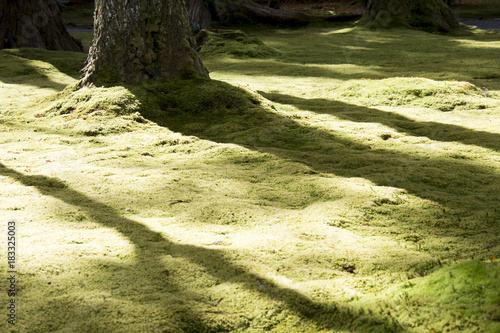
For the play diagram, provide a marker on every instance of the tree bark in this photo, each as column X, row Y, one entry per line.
column 199, row 13
column 34, row 23
column 429, row 15
column 135, row 40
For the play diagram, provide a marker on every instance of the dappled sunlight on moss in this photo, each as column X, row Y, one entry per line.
column 316, row 204
column 474, row 44
column 397, row 52
column 30, row 66
column 150, row 246
column 416, row 124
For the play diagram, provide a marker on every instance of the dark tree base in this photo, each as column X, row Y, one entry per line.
column 428, row 15
column 247, row 11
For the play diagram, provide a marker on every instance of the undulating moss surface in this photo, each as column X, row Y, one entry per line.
column 234, row 43
column 348, row 183
column 420, row 92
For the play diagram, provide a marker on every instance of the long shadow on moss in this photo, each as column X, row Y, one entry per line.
column 432, row 130
column 376, row 55
column 233, row 116
column 150, row 247
column 16, row 67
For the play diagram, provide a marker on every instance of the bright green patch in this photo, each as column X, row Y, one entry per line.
column 453, row 298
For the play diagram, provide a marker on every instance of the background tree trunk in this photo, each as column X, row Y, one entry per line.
column 34, row 23
column 430, row 15
column 199, row 13
column 135, row 40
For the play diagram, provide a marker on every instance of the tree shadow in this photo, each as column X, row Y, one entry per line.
column 378, row 55
column 432, row 130
column 451, row 179
column 150, row 247
column 291, row 69
column 17, row 68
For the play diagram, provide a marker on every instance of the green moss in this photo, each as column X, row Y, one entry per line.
column 86, row 101
column 439, row 95
column 96, row 111
column 68, row 63
column 31, row 67
column 462, row 297
column 235, row 43
column 194, row 97
column 321, row 203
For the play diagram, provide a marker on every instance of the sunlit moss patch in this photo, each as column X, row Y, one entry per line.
column 235, row 43
column 421, row 92
column 453, row 298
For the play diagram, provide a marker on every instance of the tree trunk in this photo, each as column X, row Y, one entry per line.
column 34, row 23
column 429, row 15
column 199, row 14
column 242, row 11
column 135, row 40
column 258, row 12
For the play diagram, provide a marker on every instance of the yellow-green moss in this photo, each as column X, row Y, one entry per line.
column 235, row 43
column 272, row 198
column 421, row 92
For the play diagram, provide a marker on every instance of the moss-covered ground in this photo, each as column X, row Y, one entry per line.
column 468, row 9
column 347, row 181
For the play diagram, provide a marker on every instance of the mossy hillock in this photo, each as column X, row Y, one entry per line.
column 104, row 110
column 451, row 298
column 233, row 42
column 417, row 92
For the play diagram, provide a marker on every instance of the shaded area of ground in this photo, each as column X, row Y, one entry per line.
column 486, row 24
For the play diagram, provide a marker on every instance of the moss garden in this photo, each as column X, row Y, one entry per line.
column 327, row 179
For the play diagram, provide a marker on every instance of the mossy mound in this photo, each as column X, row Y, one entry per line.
column 233, row 42
column 418, row 92
column 196, row 97
column 85, row 102
column 453, row 299
column 104, row 110
column 96, row 111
